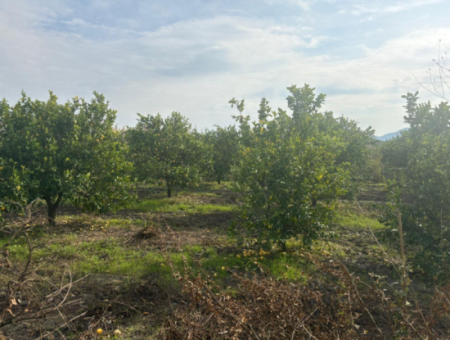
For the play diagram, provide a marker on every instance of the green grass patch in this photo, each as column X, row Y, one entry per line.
column 281, row 266
column 104, row 256
column 170, row 205
column 358, row 221
column 289, row 266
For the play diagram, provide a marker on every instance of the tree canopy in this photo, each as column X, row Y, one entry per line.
column 58, row 152
column 225, row 147
column 164, row 149
column 288, row 163
column 418, row 164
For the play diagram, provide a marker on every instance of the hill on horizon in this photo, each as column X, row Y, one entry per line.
column 390, row 135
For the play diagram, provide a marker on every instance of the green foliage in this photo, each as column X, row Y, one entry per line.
column 287, row 164
column 395, row 154
column 244, row 130
column 59, row 152
column 304, row 103
column 309, row 122
column 358, row 149
column 166, row 150
column 374, row 169
column 420, row 164
column 225, row 148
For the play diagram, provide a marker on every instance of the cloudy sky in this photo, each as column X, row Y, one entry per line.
column 193, row 56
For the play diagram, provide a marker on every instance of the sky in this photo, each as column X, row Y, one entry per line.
column 193, row 56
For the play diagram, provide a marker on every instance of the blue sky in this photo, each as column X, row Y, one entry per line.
column 192, row 56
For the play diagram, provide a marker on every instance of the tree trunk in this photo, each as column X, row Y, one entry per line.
column 218, row 180
column 283, row 246
column 52, row 207
column 169, row 192
column 51, row 214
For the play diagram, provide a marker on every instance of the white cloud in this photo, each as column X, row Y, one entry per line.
column 380, row 8
column 303, row 4
column 195, row 66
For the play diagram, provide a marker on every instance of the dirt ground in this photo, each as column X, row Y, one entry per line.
column 123, row 260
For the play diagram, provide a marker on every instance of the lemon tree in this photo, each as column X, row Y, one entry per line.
column 166, row 150
column 286, row 165
column 418, row 162
column 225, row 148
column 62, row 152
column 313, row 124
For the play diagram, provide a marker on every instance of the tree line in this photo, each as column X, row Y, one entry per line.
column 290, row 166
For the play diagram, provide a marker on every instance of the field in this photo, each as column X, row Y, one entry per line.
column 125, row 262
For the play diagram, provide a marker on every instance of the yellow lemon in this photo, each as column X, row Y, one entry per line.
column 117, row 332
column 99, row 331
column 18, row 187
column 223, row 268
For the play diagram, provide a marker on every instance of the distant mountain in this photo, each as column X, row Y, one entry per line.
column 390, row 135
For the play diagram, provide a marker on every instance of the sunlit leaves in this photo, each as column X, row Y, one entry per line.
column 56, row 145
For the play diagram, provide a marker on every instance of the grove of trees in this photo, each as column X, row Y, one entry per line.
column 290, row 168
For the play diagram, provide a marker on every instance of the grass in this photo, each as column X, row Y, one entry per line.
column 208, row 186
column 170, row 205
column 358, row 222
column 105, row 256
column 202, row 187
column 105, row 246
column 282, row 266
column 108, row 256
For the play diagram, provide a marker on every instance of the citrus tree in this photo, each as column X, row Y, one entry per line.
column 244, row 125
column 419, row 162
column 11, row 193
column 62, row 152
column 310, row 122
column 287, row 164
column 225, row 147
column 165, row 149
